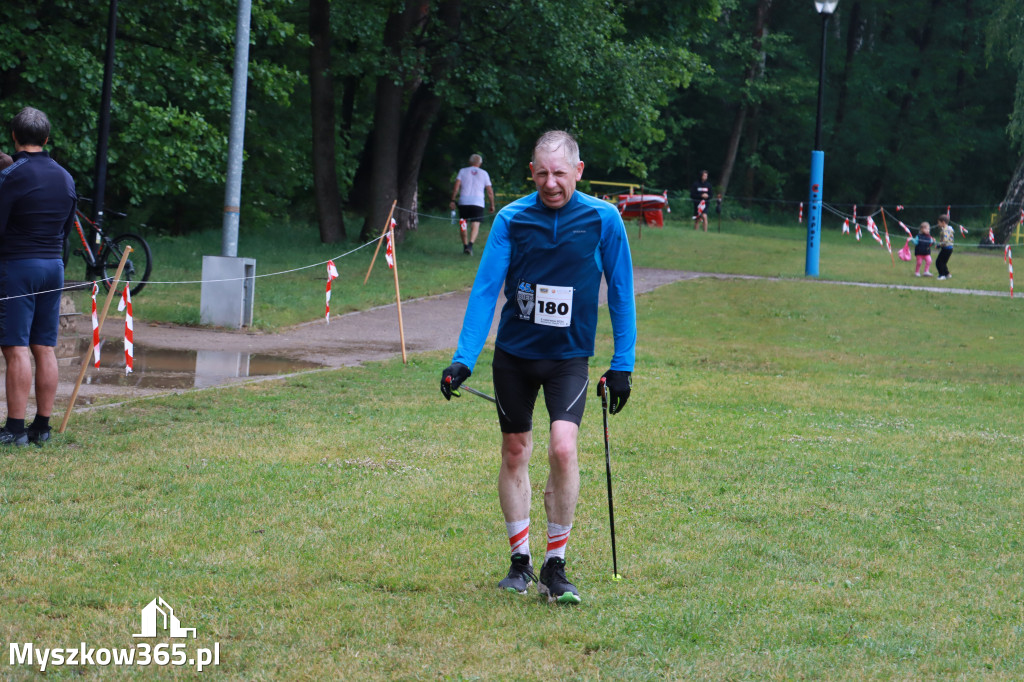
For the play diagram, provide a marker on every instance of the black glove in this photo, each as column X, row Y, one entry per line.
column 452, row 378
column 618, row 384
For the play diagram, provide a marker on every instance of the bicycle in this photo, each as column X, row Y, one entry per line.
column 102, row 254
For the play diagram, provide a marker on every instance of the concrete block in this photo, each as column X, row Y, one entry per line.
column 227, row 292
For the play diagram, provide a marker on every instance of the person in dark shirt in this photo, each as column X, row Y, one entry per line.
column 700, row 192
column 37, row 211
column 945, row 241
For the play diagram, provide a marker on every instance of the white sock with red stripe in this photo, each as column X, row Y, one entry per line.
column 519, row 536
column 558, row 537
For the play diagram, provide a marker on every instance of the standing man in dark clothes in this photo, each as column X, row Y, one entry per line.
column 37, row 210
column 700, row 192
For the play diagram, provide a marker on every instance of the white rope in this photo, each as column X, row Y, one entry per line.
column 201, row 281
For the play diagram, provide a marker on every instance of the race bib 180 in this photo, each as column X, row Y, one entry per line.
column 554, row 306
column 544, row 304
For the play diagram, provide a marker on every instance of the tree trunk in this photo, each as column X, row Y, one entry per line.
column 753, row 166
column 854, row 40
column 1010, row 210
column 732, row 149
column 755, row 72
column 922, row 39
column 384, row 156
column 387, row 125
column 415, row 134
column 400, row 139
column 321, row 87
column 424, row 106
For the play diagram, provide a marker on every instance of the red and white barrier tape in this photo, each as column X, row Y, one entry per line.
column 95, row 328
column 389, row 251
column 1008, row 257
column 332, row 274
column 129, row 346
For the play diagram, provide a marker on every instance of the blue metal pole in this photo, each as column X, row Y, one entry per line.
column 817, row 169
column 814, row 214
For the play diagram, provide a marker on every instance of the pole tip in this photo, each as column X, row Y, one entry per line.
column 617, row 577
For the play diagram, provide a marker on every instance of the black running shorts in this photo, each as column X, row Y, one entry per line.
column 470, row 213
column 517, row 382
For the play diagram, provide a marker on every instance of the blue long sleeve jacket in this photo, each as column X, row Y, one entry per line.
column 537, row 254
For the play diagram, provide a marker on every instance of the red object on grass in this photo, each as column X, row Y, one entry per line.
column 647, row 207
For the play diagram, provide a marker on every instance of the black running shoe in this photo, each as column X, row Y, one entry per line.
column 555, row 585
column 9, row 438
column 38, row 436
column 520, row 575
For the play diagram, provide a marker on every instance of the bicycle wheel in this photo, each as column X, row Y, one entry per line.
column 138, row 267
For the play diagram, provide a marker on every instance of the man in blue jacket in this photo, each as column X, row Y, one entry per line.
column 37, row 210
column 548, row 250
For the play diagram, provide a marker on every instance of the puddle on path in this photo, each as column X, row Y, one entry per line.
column 159, row 368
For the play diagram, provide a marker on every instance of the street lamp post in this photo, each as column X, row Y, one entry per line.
column 825, row 8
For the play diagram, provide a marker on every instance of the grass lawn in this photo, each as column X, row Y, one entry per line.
column 811, row 481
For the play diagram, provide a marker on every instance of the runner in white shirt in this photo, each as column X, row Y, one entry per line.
column 470, row 185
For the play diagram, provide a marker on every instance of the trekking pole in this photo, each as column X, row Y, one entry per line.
column 475, row 392
column 608, row 469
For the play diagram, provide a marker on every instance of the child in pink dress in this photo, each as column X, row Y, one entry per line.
column 923, row 250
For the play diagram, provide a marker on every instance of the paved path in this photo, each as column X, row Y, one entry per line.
column 430, row 324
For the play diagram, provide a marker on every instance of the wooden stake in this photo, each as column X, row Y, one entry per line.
column 887, row 238
column 88, row 353
column 387, row 226
column 398, row 297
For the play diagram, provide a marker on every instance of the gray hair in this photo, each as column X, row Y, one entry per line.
column 475, row 160
column 31, row 127
column 558, row 139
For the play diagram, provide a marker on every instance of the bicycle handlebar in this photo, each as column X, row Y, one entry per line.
column 109, row 211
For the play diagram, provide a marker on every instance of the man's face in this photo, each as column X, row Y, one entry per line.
column 554, row 176
column 703, row 177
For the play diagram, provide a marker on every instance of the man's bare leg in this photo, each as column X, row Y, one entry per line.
column 514, row 475
column 46, row 379
column 563, row 486
column 19, row 379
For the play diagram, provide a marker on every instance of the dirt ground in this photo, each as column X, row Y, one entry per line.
column 431, row 323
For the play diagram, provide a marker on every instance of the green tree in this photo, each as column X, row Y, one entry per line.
column 171, row 95
column 1006, row 37
column 911, row 105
